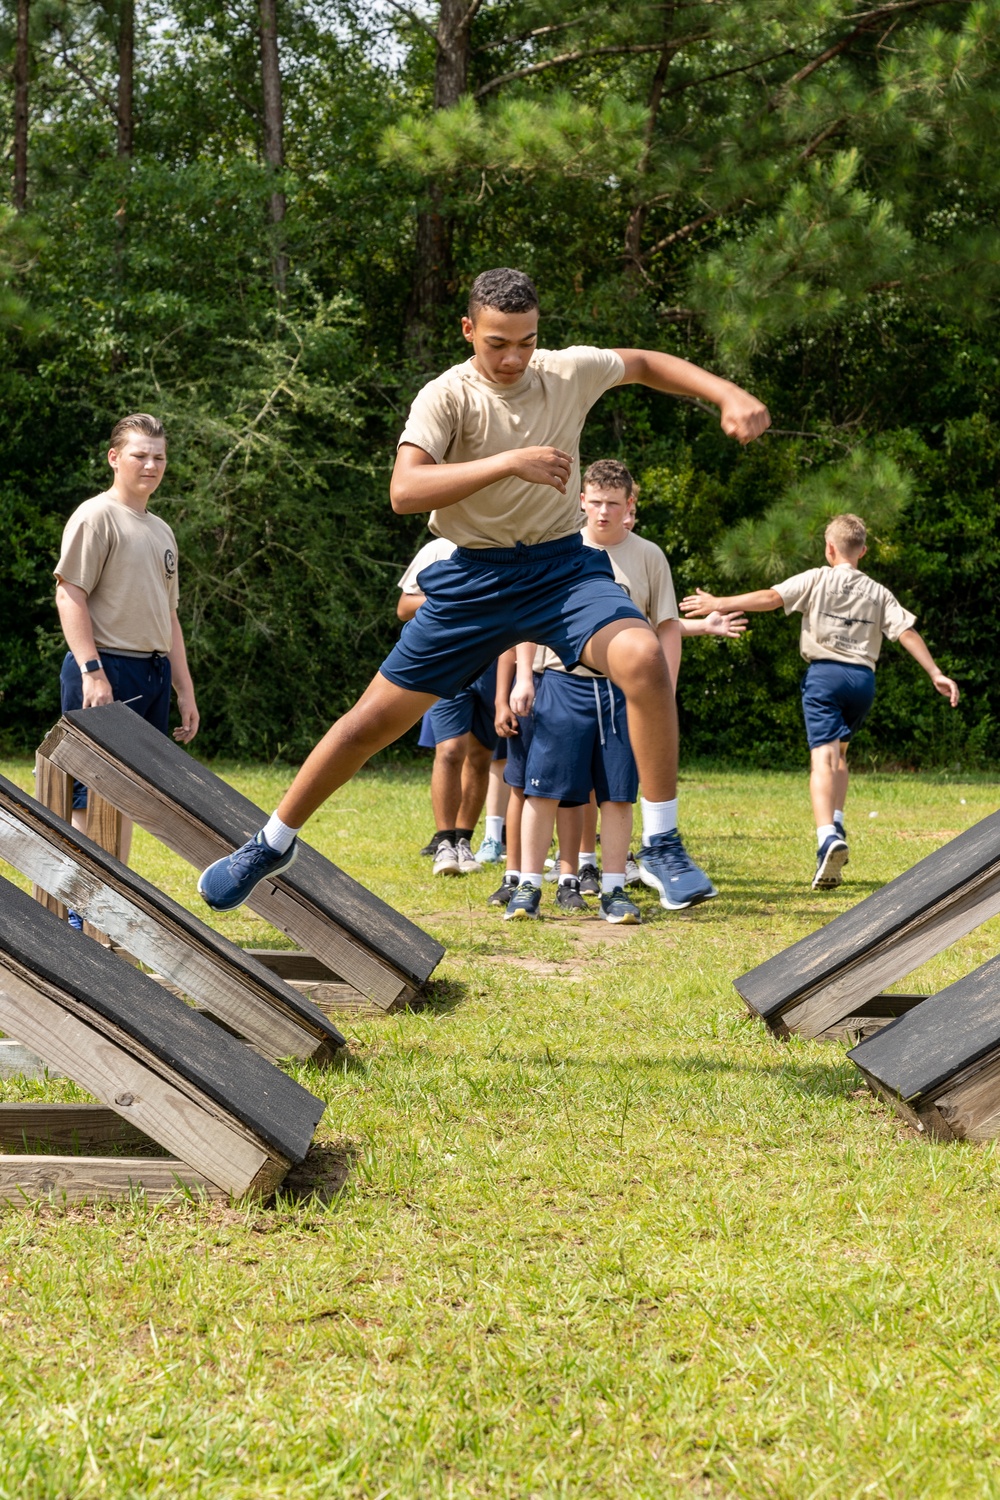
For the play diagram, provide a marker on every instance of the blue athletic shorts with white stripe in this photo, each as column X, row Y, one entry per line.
column 580, row 742
column 482, row 601
column 836, row 700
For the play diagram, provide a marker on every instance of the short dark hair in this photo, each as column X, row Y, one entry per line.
column 609, row 474
column 503, row 289
column 139, row 421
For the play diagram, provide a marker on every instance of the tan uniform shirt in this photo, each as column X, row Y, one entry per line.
column 431, row 552
column 461, row 416
column 644, row 573
column 845, row 614
column 126, row 563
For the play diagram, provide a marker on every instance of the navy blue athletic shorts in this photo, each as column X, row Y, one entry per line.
column 836, row 700
column 482, row 601
column 140, row 682
column 580, row 742
column 473, row 709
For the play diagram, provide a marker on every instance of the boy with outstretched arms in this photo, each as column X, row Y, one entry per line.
column 844, row 617
column 580, row 738
column 491, row 449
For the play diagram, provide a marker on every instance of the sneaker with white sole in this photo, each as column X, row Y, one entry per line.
column 668, row 869
column 501, row 896
column 616, row 907
column 831, row 857
column 633, row 875
column 431, row 848
column 446, row 859
column 490, row 852
column 568, row 896
column 590, row 881
column 524, row 903
column 228, row 882
column 468, row 864
column 841, row 834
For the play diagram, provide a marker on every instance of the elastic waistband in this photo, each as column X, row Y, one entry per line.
column 519, row 553
column 153, row 656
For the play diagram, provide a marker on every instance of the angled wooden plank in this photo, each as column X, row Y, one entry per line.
column 886, row 936
column 54, row 789
column 88, row 1179
column 293, row 964
column 156, row 1025
column 250, row 999
column 234, row 818
column 34, row 1126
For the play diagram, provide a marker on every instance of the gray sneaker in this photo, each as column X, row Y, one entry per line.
column 468, row 864
column 568, row 896
column 633, row 875
column 446, row 859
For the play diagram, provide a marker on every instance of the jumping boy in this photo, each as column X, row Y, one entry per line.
column 117, row 595
column 491, row 449
column 844, row 617
column 580, row 738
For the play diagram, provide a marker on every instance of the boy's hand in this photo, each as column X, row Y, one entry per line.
column 542, row 466
column 946, row 687
column 700, row 604
column 522, row 698
column 742, row 416
column 505, row 722
column 96, row 690
column 731, row 626
column 190, row 718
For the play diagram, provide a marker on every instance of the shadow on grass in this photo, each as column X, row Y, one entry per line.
column 321, row 1177
column 441, row 996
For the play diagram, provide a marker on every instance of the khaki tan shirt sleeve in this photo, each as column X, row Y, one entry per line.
column 433, row 420
column 83, row 555
column 795, row 591
column 662, row 596
column 895, row 619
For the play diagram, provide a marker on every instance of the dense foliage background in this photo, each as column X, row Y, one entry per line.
column 803, row 195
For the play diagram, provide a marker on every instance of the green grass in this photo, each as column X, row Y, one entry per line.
column 602, row 1236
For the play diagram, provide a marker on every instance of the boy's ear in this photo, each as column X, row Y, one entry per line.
column 468, row 329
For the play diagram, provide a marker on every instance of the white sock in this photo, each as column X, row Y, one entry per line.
column 838, row 816
column 586, row 859
column 528, row 879
column 568, row 879
column 824, row 832
column 612, row 882
column 512, row 877
column 494, row 829
column 658, row 817
column 277, row 835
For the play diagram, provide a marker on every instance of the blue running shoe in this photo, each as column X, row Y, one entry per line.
column 616, row 907
column 524, row 903
column 830, row 861
column 841, row 834
column 666, row 866
column 227, row 884
column 490, row 852
column 75, row 920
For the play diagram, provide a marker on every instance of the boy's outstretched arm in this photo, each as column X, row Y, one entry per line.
column 699, row 604
column 420, row 483
column 715, row 623
column 911, row 640
column 741, row 415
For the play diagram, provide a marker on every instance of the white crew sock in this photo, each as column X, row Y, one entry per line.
column 277, row 835
column 610, row 883
column 512, row 877
column 658, row 817
column 824, row 832
column 528, row 879
column 586, row 859
column 838, row 816
column 494, row 829
column 568, row 879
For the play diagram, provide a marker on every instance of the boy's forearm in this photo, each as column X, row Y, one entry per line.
column 423, row 487
column 524, row 654
column 760, row 601
column 506, row 665
column 913, row 642
column 742, row 416
column 408, row 605
column 179, row 670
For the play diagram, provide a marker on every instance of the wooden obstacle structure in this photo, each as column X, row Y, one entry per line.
column 833, row 977
column 232, row 1121
column 939, row 1066
column 245, row 996
column 361, row 943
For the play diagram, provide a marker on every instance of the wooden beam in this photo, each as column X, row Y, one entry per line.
column 54, row 790
column 67, row 1127
column 79, row 1179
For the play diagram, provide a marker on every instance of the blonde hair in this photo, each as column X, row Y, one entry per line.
column 139, row 421
column 848, row 533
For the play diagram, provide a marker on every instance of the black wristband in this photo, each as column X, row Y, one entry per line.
column 92, row 666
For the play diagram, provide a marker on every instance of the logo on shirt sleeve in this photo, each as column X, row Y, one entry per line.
column 169, row 562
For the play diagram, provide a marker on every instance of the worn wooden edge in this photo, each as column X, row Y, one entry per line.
column 93, row 1179
column 924, row 1118
column 34, row 1125
column 861, row 1022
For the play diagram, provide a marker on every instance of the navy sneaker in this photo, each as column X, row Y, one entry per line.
column 75, row 920
column 666, row 866
column 616, row 907
column 524, row 903
column 501, row 896
column 831, row 857
column 568, row 896
column 432, row 848
column 841, row 834
column 590, row 881
column 227, row 884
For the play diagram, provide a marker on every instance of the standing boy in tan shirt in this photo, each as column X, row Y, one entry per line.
column 844, row 617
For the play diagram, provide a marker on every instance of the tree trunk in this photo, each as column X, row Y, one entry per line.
column 274, row 153
column 433, row 271
column 637, row 218
column 126, row 71
column 21, row 106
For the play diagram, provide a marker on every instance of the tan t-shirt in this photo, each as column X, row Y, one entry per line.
column 126, row 563
column 431, row 552
column 461, row 416
column 641, row 568
column 845, row 614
